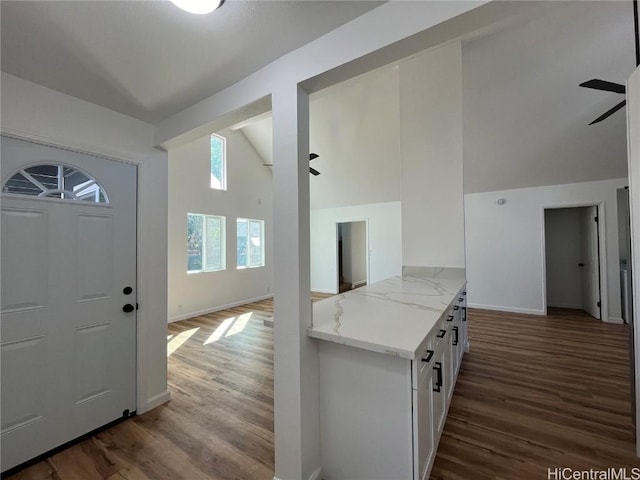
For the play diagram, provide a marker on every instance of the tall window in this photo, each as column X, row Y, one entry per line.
column 250, row 243
column 218, row 162
column 205, row 243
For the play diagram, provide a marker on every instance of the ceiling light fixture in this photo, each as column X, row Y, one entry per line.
column 199, row 7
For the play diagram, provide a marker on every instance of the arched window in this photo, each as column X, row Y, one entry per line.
column 55, row 181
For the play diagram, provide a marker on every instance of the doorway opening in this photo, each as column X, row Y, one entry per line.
column 572, row 259
column 353, row 261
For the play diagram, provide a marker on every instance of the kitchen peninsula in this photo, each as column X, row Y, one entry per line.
column 389, row 356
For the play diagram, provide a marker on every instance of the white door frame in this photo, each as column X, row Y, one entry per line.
column 143, row 344
column 337, row 259
column 602, row 253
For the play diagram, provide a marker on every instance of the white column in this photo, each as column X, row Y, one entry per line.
column 633, row 134
column 297, row 425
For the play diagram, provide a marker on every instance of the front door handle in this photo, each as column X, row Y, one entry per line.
column 128, row 308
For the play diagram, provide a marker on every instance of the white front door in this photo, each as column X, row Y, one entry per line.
column 591, row 261
column 68, row 269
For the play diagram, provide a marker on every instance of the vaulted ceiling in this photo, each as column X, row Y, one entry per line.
column 148, row 59
column 526, row 120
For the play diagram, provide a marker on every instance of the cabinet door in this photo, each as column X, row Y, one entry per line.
column 455, row 347
column 449, row 365
column 439, row 393
column 424, row 447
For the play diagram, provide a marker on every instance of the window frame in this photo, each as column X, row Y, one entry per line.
column 248, row 222
column 223, row 180
column 223, row 244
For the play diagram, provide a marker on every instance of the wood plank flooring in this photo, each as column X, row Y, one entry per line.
column 534, row 392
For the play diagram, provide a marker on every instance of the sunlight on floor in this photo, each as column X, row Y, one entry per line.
column 230, row 326
column 179, row 339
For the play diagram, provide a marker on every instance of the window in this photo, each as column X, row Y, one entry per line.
column 55, row 181
column 205, row 243
column 250, row 243
column 218, row 163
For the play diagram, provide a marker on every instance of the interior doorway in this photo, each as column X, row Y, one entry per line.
column 353, row 261
column 572, row 259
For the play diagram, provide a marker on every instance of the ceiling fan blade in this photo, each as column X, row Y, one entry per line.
column 313, row 156
column 313, row 171
column 603, row 85
column 610, row 112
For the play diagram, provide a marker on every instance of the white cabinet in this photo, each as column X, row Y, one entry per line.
column 424, row 444
column 381, row 415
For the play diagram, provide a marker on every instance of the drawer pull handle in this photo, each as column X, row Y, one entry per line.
column 427, row 359
column 457, row 307
column 460, row 299
column 441, row 333
column 464, row 293
column 449, row 318
column 455, row 337
column 437, row 366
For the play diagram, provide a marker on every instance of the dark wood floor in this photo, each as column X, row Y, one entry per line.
column 534, row 392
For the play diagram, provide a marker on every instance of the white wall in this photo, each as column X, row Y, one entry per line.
column 563, row 249
column 431, row 155
column 385, row 242
column 354, row 127
column 40, row 114
column 249, row 194
column 504, row 244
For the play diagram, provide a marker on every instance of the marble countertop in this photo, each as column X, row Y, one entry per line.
column 392, row 316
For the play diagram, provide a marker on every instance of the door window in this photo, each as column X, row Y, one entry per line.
column 55, row 181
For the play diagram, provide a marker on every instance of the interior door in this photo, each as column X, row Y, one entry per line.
column 68, row 269
column 591, row 260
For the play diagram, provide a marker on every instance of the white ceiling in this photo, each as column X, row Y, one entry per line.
column 148, row 59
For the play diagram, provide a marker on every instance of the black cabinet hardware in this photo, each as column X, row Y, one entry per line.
column 464, row 293
column 127, row 290
column 427, row 359
column 456, row 307
column 441, row 333
column 581, row 264
column 437, row 366
column 128, row 308
column 455, row 336
column 464, row 314
column 449, row 318
column 460, row 299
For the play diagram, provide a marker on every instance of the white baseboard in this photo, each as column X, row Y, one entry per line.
column 156, row 401
column 565, row 305
column 615, row 320
column 185, row 316
column 500, row 308
column 315, row 475
column 323, row 290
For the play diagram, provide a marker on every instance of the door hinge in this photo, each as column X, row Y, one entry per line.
column 599, row 305
column 595, row 219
